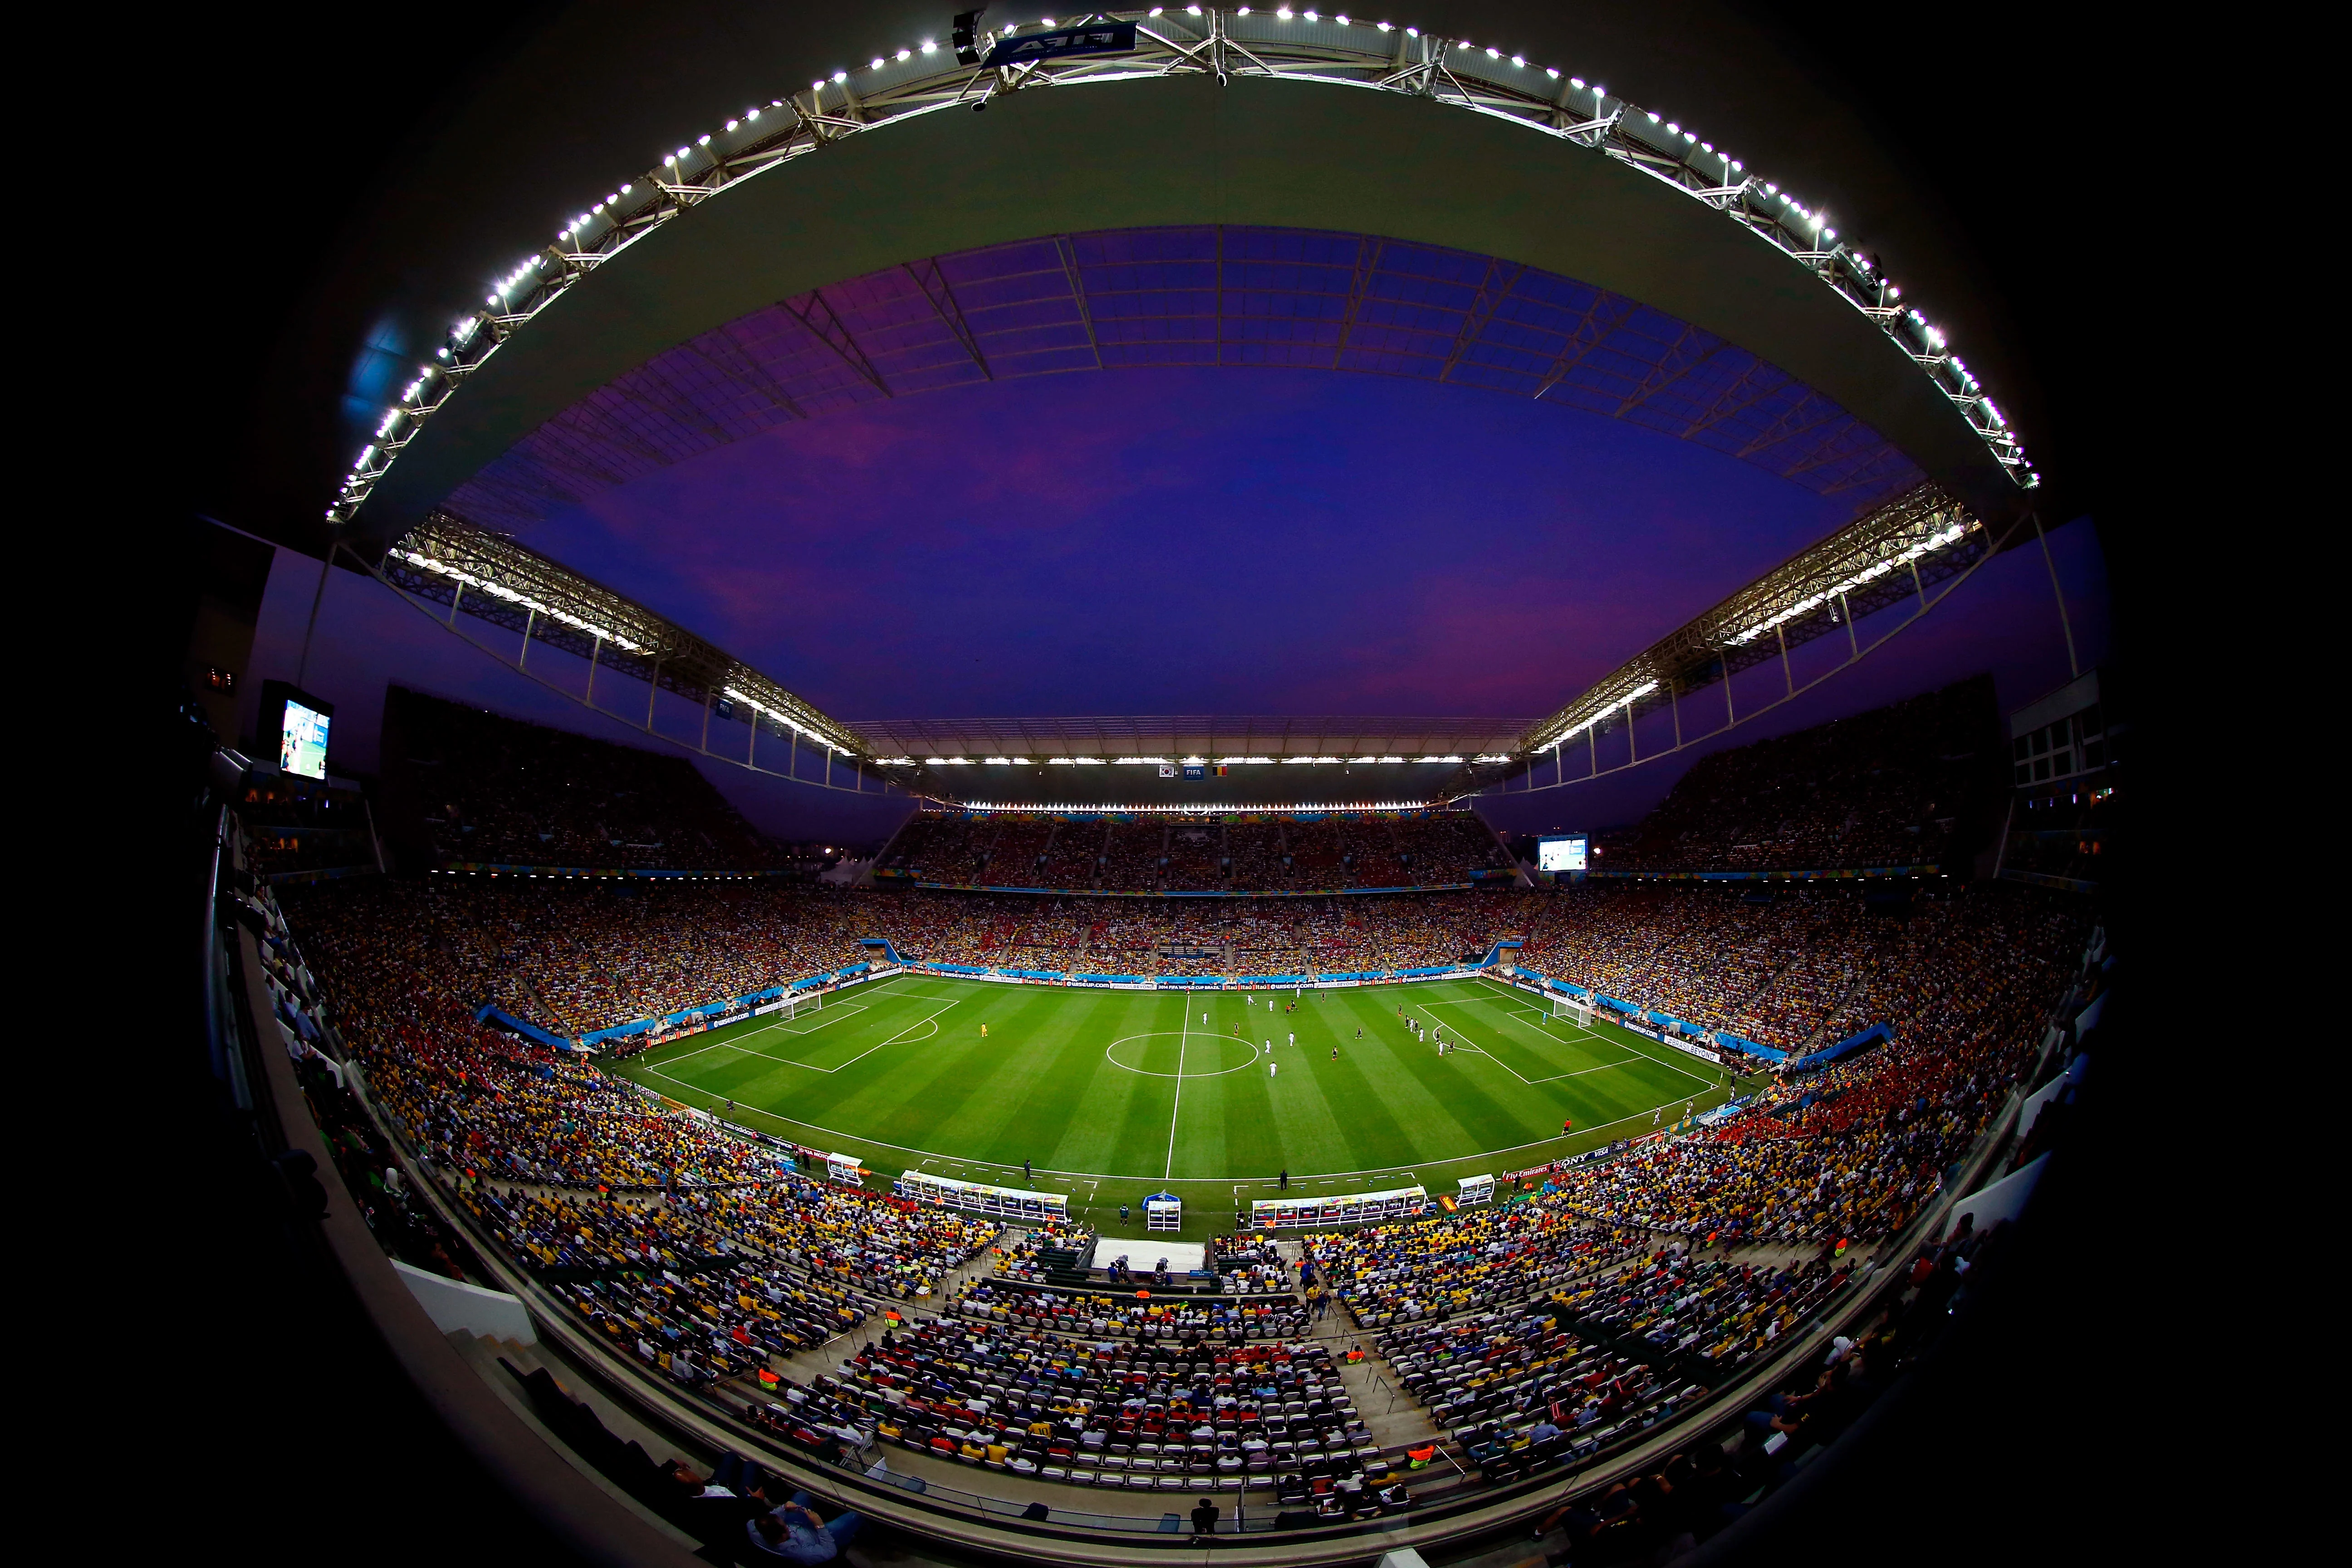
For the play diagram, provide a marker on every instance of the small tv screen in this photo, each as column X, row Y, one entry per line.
column 302, row 739
column 1562, row 854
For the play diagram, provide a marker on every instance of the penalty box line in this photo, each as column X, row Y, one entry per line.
column 735, row 1042
column 1630, row 1056
column 787, row 1061
column 1635, row 1053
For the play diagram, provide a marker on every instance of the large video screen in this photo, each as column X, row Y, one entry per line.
column 1561, row 854
column 302, row 740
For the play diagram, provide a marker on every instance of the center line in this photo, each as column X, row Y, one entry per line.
column 1183, row 1038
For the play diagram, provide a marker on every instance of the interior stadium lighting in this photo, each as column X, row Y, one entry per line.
column 996, row 761
column 952, row 761
column 1141, row 759
column 1392, row 759
column 840, row 75
column 786, row 720
column 1446, row 759
column 1492, row 757
column 874, row 64
column 1061, row 761
column 703, row 140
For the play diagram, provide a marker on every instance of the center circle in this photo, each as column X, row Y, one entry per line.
column 1227, row 1054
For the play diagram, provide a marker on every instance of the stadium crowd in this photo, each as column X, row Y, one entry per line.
column 1266, row 853
column 470, row 785
column 1892, row 786
column 575, row 1170
column 1031, row 1402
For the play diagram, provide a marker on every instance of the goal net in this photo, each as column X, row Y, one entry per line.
column 796, row 1005
column 1578, row 1012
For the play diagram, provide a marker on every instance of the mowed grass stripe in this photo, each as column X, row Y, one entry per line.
column 1040, row 1086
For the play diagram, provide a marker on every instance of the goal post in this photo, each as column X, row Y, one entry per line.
column 1577, row 1012
column 797, row 1005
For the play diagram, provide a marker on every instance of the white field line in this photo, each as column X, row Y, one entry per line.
column 861, row 1138
column 1625, row 1060
column 788, row 1061
column 1587, row 1033
column 1183, row 1041
column 851, row 1008
column 930, row 1018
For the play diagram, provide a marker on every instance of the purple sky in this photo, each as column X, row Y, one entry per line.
column 1160, row 542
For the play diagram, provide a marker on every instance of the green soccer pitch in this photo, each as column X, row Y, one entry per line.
column 1110, row 1095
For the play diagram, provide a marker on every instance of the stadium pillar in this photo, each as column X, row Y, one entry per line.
column 751, row 753
column 1633, row 746
column 653, row 689
column 2073, row 666
column 530, row 621
column 303, row 666
column 1782, row 633
column 705, row 720
column 454, row 599
column 1921, row 586
column 595, row 649
column 1730, row 715
column 1853, row 642
column 1674, row 702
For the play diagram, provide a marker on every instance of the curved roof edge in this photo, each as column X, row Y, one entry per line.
column 1279, row 152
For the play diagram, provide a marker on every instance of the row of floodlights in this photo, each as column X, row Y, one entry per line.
column 1934, row 541
column 605, row 876
column 1096, row 808
column 1171, row 762
column 414, row 401
column 524, row 601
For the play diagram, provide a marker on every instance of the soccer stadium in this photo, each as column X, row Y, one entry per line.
column 1488, row 906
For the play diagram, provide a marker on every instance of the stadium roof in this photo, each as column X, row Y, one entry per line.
column 1210, row 295
column 1464, row 216
column 1497, row 174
